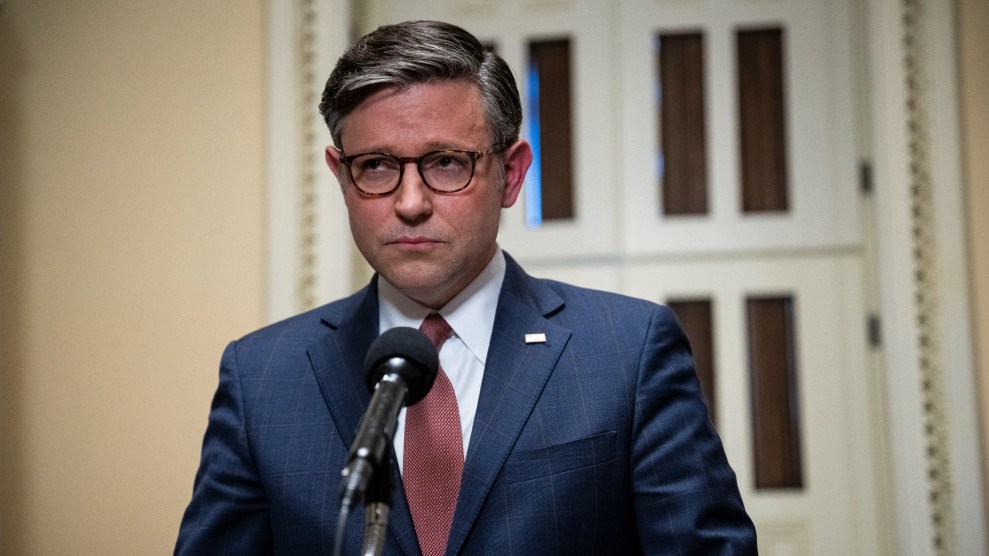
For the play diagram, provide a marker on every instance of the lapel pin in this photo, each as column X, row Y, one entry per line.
column 535, row 338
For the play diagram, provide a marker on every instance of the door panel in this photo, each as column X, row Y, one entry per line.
column 834, row 512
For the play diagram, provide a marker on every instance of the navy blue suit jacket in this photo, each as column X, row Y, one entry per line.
column 595, row 442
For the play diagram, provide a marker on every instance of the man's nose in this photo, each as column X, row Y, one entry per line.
column 413, row 199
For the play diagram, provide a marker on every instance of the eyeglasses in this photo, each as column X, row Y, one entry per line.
column 379, row 174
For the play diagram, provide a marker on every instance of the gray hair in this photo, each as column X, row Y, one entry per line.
column 416, row 52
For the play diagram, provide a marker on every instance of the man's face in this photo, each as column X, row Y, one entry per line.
column 429, row 245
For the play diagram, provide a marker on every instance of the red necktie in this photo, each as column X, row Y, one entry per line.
column 433, row 458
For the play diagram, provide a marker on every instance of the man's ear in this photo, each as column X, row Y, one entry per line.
column 333, row 161
column 517, row 159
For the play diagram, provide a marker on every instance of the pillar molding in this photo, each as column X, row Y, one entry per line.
column 309, row 253
column 935, row 470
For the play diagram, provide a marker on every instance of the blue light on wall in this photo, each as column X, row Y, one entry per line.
column 534, row 185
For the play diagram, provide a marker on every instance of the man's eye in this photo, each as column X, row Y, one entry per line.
column 374, row 164
column 447, row 162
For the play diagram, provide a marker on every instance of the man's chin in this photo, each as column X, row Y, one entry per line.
column 415, row 281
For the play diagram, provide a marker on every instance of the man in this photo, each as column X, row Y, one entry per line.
column 577, row 421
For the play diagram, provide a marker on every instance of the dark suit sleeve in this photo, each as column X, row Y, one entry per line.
column 228, row 513
column 686, row 495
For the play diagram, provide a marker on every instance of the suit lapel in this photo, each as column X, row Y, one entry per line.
column 514, row 376
column 338, row 359
column 338, row 362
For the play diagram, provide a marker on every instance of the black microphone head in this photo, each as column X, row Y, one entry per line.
column 408, row 352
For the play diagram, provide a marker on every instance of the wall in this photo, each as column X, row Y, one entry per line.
column 131, row 234
column 973, row 21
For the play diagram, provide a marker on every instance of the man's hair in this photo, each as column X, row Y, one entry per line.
column 417, row 52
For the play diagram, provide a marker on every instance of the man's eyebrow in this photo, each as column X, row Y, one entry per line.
column 426, row 148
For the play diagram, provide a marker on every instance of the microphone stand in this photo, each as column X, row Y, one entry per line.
column 377, row 503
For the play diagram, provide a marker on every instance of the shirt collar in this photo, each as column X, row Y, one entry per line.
column 471, row 312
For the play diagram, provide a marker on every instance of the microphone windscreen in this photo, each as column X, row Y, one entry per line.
column 408, row 352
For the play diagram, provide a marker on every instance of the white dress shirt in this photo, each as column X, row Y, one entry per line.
column 471, row 315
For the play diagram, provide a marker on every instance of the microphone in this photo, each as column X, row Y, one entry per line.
column 400, row 368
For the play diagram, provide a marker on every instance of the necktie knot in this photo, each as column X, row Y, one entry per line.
column 436, row 329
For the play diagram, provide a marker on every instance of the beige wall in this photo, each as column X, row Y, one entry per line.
column 131, row 235
column 973, row 18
